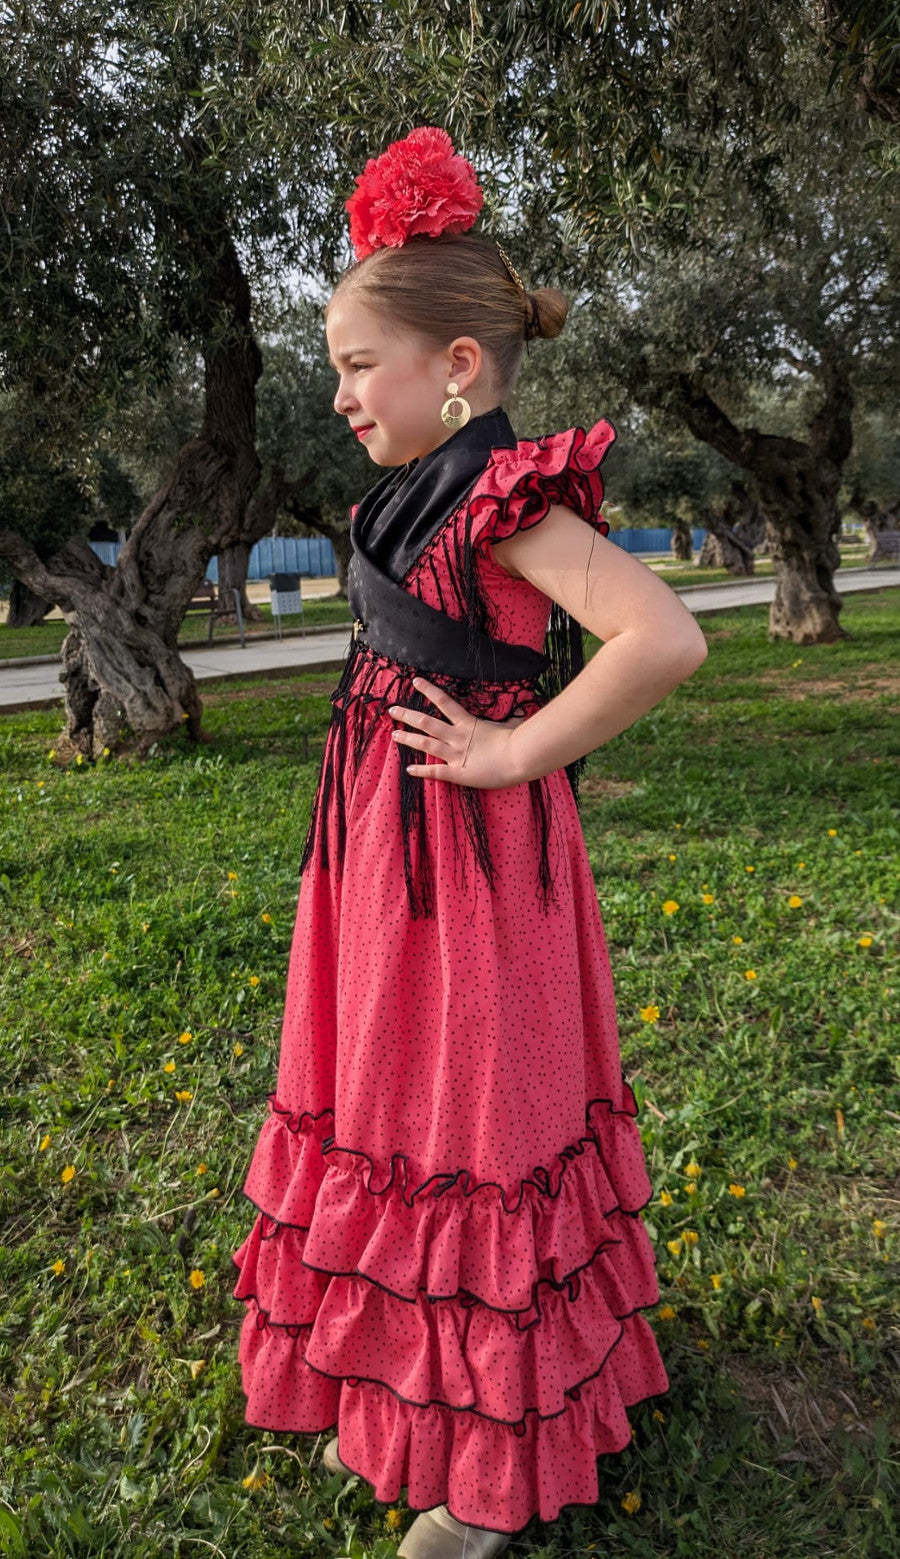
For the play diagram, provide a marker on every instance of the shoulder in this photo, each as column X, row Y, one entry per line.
column 520, row 485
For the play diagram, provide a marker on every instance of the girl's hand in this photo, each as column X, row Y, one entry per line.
column 472, row 751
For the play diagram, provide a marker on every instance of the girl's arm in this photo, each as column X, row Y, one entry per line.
column 650, row 644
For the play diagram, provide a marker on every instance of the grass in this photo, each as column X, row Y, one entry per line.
column 146, row 916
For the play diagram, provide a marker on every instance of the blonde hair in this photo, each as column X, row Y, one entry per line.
column 458, row 285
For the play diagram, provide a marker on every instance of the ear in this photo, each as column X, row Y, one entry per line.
column 464, row 361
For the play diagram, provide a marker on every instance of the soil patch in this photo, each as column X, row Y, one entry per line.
column 596, row 785
column 791, row 1400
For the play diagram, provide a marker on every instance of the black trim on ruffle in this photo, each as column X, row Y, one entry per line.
column 518, row 1425
column 571, row 1151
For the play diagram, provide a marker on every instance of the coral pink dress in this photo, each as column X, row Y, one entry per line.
column 448, row 1262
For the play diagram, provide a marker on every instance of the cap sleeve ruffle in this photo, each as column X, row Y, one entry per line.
column 520, row 485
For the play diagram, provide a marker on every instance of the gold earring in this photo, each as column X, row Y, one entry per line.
column 459, row 418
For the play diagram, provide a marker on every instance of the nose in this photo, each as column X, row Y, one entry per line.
column 343, row 399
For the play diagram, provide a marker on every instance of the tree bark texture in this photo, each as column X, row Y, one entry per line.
column 796, row 485
column 125, row 683
column 26, row 610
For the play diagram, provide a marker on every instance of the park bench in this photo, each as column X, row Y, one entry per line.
column 205, row 601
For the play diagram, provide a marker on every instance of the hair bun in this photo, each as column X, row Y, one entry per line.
column 547, row 310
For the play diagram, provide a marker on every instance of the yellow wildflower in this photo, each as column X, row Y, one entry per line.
column 196, row 1367
column 665, row 1198
column 669, row 907
column 864, row 941
column 168, row 1066
column 703, row 1342
column 692, row 1169
column 879, row 1228
column 52, row 753
column 690, row 1188
column 660, row 1417
column 737, row 940
column 201, row 1169
column 666, row 1313
column 708, row 898
column 792, row 1163
column 253, row 980
column 58, row 1267
column 716, row 1279
column 267, row 921
column 234, row 893
column 214, row 1192
column 68, row 1174
column 239, row 1049
column 801, row 866
column 44, row 1143
column 185, row 1038
column 736, row 1190
column 631, row 1502
column 393, row 1520
column 673, row 857
column 832, row 832
column 674, row 1246
column 256, row 1480
column 145, row 926
column 183, row 1095
column 232, row 876
column 749, row 868
column 817, row 1304
column 794, row 901
column 80, row 758
column 650, row 1013
column 197, row 1278
column 749, row 974
column 868, row 1323
column 690, row 1236
column 40, row 784
column 328, row 1521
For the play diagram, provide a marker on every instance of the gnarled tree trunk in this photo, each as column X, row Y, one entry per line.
column 796, row 486
column 26, row 610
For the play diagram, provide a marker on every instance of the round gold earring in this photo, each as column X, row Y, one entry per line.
column 449, row 417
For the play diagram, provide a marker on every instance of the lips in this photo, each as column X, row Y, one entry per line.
column 365, row 428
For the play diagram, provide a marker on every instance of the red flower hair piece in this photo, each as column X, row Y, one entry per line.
column 418, row 185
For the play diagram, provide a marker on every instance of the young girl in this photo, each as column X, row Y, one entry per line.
column 448, row 1261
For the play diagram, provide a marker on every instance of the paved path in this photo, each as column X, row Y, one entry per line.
column 37, row 685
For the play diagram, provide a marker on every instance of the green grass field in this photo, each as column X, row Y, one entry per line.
column 744, row 837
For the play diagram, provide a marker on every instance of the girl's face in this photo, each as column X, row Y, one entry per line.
column 392, row 384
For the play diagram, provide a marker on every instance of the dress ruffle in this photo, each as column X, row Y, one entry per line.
column 431, row 1321
column 520, row 485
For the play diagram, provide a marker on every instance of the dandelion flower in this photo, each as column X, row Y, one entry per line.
column 832, row 833
column 864, row 941
column 669, row 907
column 196, row 1367
column 749, row 868
column 183, row 1095
column 674, row 1246
column 879, row 1228
column 168, row 1066
column 197, row 1278
column 631, row 1502
column 267, row 921
column 794, row 901
column 708, row 898
column 44, row 1143
column 692, row 1169
column 817, row 1304
column 201, row 1169
column 256, row 1480
column 253, row 980
column 239, row 1049
column 690, row 1236
column 666, row 1313
column 185, row 1038
column 703, row 1342
column 673, row 857
column 68, row 1174
column 868, row 1323
column 665, row 1198
column 145, row 927
column 650, row 1013
column 737, row 940
column 736, row 1190
column 393, row 1520
column 716, row 1279
column 58, row 1267
column 792, row 1163
column 232, row 876
column 690, row 1187
column 749, row 974
column 660, row 1417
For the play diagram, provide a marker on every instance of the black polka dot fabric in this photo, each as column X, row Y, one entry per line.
column 447, row 1263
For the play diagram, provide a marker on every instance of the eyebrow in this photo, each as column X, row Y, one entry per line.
column 358, row 351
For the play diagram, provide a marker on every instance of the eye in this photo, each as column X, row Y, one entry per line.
column 358, row 367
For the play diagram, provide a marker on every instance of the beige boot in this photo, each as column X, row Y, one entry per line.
column 333, row 1463
column 435, row 1534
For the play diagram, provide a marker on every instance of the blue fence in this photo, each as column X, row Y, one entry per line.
column 313, row 556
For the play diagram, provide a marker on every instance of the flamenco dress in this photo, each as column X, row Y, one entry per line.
column 448, row 1261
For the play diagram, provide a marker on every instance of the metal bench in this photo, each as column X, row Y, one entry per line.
column 205, row 601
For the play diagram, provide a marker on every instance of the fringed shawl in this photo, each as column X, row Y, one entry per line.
column 503, row 486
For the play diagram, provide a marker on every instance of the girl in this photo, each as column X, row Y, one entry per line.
column 448, row 1261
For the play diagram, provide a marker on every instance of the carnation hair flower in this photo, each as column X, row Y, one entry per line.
column 417, row 186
